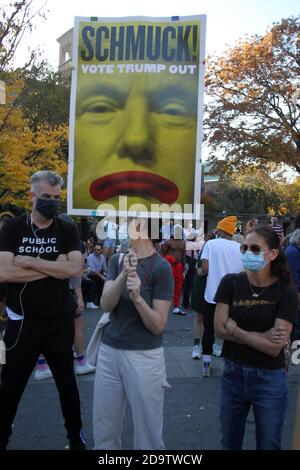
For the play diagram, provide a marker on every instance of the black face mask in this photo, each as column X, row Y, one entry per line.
column 48, row 208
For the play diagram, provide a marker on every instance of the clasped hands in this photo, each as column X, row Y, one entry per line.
column 133, row 282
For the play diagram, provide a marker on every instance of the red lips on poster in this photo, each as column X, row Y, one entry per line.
column 134, row 183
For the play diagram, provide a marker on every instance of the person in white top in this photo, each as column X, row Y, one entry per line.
column 219, row 257
column 109, row 243
column 123, row 229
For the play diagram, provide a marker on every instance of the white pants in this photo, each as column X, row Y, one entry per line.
column 138, row 376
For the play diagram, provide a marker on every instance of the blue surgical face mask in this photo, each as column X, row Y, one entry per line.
column 253, row 262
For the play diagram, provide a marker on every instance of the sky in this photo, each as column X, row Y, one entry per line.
column 227, row 20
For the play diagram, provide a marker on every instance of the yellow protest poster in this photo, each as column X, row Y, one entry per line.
column 136, row 115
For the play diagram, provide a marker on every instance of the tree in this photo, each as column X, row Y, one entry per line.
column 16, row 19
column 210, row 202
column 292, row 194
column 24, row 150
column 249, row 200
column 48, row 97
column 254, row 191
column 32, row 136
column 252, row 115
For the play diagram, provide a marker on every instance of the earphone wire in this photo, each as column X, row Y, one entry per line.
column 22, row 319
column 21, row 293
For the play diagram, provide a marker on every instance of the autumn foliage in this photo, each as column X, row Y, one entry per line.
column 26, row 145
column 24, row 150
column 253, row 106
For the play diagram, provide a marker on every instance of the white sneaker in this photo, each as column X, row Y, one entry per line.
column 83, row 367
column 42, row 373
column 196, row 354
column 217, row 351
column 91, row 305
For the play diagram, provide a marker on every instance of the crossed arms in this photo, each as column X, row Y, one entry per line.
column 270, row 342
column 28, row 269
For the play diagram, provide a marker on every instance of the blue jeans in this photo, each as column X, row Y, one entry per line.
column 266, row 391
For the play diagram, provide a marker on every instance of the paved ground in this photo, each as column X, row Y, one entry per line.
column 191, row 406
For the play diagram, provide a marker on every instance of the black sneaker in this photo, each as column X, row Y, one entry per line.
column 77, row 443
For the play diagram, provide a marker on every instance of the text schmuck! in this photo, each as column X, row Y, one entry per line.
column 168, row 43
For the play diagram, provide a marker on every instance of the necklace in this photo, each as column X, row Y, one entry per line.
column 256, row 294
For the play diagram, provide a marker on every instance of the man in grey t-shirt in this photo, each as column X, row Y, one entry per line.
column 130, row 363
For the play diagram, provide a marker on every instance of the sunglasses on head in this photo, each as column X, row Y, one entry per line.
column 256, row 249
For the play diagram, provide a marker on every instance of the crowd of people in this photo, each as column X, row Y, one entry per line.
column 243, row 285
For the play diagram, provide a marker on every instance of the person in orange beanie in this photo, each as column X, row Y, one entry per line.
column 228, row 225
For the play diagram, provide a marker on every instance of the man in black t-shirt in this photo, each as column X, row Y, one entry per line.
column 38, row 254
column 3, row 217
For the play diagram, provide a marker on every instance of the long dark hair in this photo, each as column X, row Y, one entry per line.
column 279, row 266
